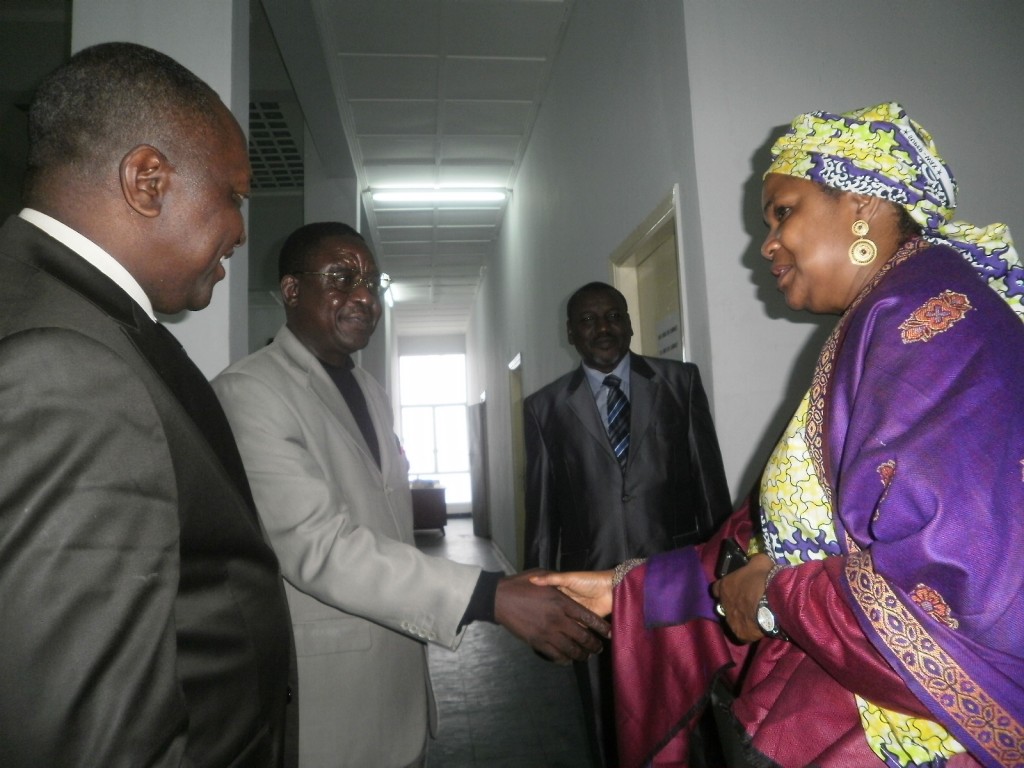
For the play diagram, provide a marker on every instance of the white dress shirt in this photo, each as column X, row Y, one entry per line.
column 92, row 253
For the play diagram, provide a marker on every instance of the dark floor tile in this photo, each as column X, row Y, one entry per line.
column 502, row 706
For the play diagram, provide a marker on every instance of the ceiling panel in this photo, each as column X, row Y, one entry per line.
column 398, row 27
column 452, row 248
column 497, row 29
column 485, row 118
column 467, row 174
column 420, row 218
column 496, row 79
column 421, row 149
column 480, row 148
column 422, row 251
column 481, row 234
column 381, row 173
column 450, row 264
column 390, row 77
column 406, row 234
column 394, row 118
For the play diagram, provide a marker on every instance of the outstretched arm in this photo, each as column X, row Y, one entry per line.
column 591, row 589
column 550, row 622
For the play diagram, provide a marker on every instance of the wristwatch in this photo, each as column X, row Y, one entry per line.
column 766, row 618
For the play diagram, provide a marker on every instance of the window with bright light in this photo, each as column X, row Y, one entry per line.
column 432, row 392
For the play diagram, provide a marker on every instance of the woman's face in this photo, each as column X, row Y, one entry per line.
column 808, row 243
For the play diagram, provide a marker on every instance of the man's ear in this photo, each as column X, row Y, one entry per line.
column 290, row 290
column 568, row 334
column 145, row 179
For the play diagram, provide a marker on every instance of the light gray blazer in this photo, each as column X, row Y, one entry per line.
column 363, row 599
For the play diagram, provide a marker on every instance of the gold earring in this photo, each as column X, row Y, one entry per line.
column 863, row 251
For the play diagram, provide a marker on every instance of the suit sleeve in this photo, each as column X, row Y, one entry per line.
column 542, row 530
column 323, row 550
column 89, row 553
column 706, row 469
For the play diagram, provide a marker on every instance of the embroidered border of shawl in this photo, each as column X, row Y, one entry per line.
column 938, row 673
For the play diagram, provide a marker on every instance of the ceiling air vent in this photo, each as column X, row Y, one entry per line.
column 273, row 152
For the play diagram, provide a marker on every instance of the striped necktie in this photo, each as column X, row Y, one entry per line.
column 618, row 420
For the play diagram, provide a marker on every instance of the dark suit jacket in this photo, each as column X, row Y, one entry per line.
column 582, row 511
column 142, row 617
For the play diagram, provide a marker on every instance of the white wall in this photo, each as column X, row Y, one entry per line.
column 640, row 100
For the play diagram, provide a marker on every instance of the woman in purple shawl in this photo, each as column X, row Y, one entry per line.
column 880, row 618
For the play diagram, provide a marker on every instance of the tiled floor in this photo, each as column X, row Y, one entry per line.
column 502, row 706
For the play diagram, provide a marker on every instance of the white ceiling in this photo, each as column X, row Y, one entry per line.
column 413, row 93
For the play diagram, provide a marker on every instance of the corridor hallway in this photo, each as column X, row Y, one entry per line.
column 501, row 705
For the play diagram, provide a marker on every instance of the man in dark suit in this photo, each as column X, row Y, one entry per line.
column 622, row 462
column 143, row 620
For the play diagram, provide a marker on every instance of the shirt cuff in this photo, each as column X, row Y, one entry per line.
column 481, row 604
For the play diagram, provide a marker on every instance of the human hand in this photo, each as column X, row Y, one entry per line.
column 591, row 589
column 551, row 623
column 738, row 594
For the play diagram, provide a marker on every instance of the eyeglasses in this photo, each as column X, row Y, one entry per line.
column 347, row 280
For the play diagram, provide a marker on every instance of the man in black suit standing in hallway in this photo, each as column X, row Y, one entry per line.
column 622, row 462
column 143, row 618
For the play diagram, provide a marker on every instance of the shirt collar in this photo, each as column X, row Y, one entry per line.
column 596, row 379
column 92, row 253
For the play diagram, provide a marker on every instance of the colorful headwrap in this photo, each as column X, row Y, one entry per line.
column 880, row 151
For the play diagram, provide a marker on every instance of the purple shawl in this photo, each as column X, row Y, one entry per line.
column 923, row 452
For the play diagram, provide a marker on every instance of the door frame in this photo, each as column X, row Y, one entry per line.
column 664, row 221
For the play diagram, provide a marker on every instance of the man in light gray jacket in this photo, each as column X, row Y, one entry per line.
column 331, row 486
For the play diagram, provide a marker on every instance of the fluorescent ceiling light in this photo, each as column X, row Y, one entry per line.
column 410, row 195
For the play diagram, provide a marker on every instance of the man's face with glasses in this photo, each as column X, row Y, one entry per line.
column 333, row 305
column 347, row 280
